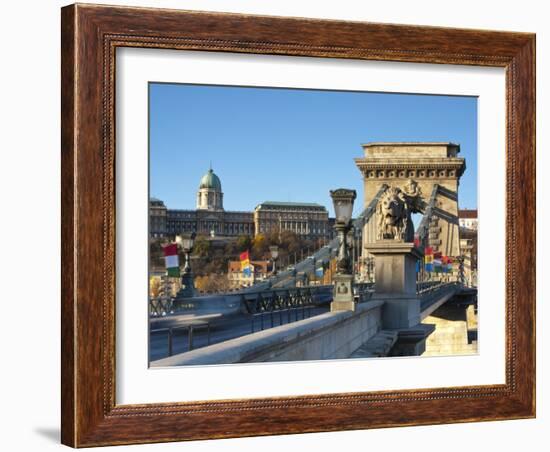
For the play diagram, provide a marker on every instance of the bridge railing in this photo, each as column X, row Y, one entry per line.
column 243, row 302
column 160, row 306
column 269, row 299
column 424, row 288
column 363, row 291
column 214, row 319
column 277, row 299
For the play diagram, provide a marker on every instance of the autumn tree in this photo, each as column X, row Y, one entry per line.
column 202, row 246
column 243, row 243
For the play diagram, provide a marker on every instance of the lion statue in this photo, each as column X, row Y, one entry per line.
column 394, row 216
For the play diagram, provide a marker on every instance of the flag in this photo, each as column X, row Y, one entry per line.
column 428, row 259
column 437, row 257
column 319, row 272
column 245, row 263
column 416, row 241
column 449, row 265
column 444, row 260
column 171, row 259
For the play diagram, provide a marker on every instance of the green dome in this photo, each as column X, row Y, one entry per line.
column 210, row 180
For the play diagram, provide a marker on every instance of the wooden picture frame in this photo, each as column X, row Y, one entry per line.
column 90, row 36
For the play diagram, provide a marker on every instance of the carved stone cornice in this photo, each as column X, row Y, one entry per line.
column 398, row 168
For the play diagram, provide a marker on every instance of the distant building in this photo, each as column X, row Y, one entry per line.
column 260, row 270
column 157, row 218
column 467, row 218
column 209, row 218
column 468, row 222
column 308, row 220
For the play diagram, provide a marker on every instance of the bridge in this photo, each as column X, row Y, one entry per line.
column 397, row 312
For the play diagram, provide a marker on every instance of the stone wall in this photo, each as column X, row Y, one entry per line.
column 327, row 336
column 451, row 331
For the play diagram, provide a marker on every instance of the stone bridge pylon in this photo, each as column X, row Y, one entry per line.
column 416, row 168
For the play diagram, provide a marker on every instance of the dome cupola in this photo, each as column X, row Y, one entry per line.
column 210, row 196
column 210, row 181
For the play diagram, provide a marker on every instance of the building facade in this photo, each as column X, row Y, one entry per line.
column 308, row 220
column 467, row 218
column 208, row 218
column 304, row 219
column 260, row 270
column 157, row 218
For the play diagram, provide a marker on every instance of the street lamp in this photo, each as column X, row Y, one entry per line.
column 343, row 207
column 274, row 250
column 343, row 300
column 187, row 242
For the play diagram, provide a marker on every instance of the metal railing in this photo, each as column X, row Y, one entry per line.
column 191, row 328
column 270, row 319
column 282, row 299
column 160, row 306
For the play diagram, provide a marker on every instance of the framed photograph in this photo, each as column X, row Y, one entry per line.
column 282, row 225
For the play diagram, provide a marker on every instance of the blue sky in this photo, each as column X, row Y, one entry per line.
column 290, row 144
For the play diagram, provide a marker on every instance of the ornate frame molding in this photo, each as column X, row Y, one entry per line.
column 90, row 36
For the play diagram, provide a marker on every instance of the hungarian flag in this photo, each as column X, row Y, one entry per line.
column 245, row 263
column 172, row 260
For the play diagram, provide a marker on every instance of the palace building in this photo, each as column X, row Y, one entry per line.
column 208, row 218
column 309, row 220
column 304, row 219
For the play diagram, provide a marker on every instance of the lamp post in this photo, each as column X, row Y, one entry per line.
column 186, row 242
column 274, row 250
column 343, row 300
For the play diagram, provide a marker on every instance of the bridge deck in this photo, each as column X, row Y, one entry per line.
column 221, row 328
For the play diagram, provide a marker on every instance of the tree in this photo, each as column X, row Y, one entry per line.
column 260, row 246
column 230, row 248
column 243, row 243
column 202, row 246
column 156, row 254
column 212, row 283
column 154, row 287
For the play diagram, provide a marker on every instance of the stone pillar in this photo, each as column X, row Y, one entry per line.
column 395, row 276
column 343, row 294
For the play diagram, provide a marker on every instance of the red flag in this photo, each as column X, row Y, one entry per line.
column 429, row 250
column 416, row 241
column 170, row 250
column 244, row 256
